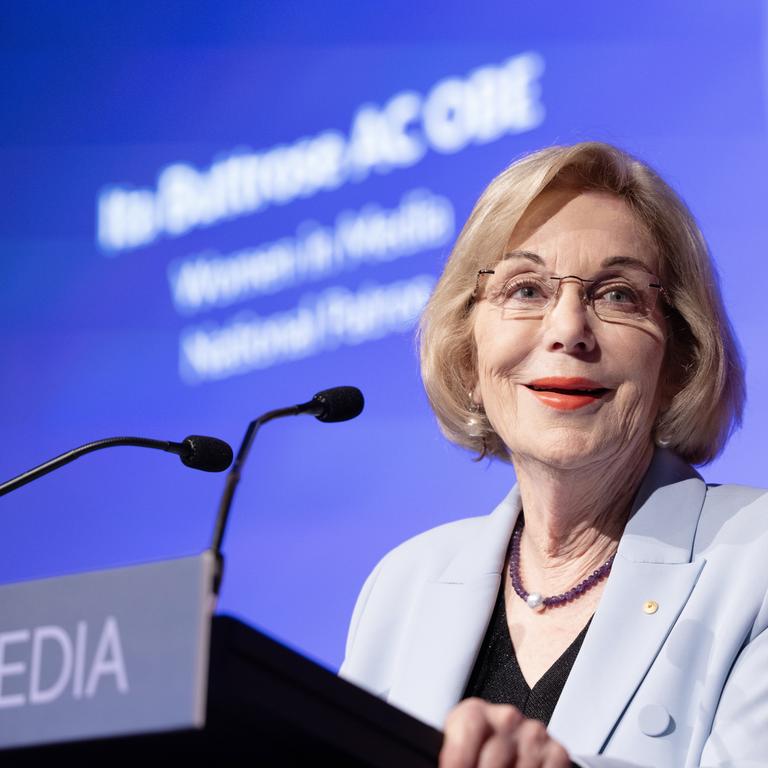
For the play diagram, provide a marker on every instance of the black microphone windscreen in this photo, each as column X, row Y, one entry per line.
column 207, row 453
column 339, row 403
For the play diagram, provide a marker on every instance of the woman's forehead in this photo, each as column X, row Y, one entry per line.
column 520, row 259
column 587, row 227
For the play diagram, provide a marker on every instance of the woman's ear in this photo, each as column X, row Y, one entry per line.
column 475, row 398
column 477, row 424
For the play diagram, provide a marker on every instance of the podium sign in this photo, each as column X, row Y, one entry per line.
column 105, row 653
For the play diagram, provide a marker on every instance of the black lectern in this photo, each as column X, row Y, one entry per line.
column 269, row 704
column 130, row 664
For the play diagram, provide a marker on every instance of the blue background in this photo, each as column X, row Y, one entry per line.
column 102, row 94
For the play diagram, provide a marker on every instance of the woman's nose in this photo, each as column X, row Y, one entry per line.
column 568, row 323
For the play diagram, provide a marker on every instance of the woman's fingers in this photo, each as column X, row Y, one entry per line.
column 537, row 749
column 479, row 734
column 482, row 735
column 504, row 716
column 500, row 751
column 466, row 729
column 532, row 739
column 556, row 756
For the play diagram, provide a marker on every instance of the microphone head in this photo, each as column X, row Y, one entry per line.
column 338, row 404
column 206, row 453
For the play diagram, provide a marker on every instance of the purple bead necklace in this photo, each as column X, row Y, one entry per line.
column 535, row 600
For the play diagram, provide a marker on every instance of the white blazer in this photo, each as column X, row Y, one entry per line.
column 683, row 687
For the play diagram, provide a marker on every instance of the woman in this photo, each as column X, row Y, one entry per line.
column 613, row 597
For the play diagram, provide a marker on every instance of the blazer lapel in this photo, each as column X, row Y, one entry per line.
column 450, row 620
column 653, row 563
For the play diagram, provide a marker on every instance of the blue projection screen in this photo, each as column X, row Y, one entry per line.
column 210, row 214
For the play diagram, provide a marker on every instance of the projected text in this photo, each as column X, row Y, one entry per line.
column 372, row 235
column 333, row 318
column 488, row 103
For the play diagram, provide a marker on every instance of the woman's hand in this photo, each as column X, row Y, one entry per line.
column 497, row 736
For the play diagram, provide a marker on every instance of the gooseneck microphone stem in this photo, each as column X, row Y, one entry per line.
column 233, row 478
column 330, row 405
column 196, row 451
column 76, row 453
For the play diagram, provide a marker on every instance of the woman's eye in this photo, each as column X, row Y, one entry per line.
column 617, row 294
column 523, row 291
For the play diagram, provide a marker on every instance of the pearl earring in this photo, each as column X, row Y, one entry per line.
column 476, row 422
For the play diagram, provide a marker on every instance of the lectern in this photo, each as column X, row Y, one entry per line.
column 132, row 662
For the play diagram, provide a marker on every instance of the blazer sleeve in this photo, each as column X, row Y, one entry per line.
column 357, row 615
column 739, row 737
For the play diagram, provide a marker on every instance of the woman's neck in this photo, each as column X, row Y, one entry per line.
column 574, row 518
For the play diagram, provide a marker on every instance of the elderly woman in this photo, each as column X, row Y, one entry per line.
column 612, row 610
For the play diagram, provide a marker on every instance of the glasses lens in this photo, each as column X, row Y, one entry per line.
column 623, row 297
column 519, row 294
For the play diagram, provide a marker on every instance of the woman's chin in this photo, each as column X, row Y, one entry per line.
column 564, row 452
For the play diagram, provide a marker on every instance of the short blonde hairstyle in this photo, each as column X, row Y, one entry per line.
column 702, row 371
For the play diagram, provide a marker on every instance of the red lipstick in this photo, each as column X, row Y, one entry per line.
column 567, row 393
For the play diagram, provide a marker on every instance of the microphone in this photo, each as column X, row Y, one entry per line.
column 330, row 405
column 337, row 404
column 208, row 454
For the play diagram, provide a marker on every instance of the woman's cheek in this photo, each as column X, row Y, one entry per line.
column 499, row 388
column 637, row 405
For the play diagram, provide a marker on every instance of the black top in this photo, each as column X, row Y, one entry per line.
column 497, row 676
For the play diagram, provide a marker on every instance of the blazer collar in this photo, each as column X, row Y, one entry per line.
column 452, row 613
column 665, row 513
column 485, row 553
column 449, row 621
column 653, row 562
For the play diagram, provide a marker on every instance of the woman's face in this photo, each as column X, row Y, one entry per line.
column 533, row 370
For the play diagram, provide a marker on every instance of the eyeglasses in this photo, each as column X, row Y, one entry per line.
column 626, row 295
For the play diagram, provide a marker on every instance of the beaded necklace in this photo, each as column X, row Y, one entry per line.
column 535, row 600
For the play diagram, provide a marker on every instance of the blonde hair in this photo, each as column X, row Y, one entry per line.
column 702, row 367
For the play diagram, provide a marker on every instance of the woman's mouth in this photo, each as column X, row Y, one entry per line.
column 567, row 394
